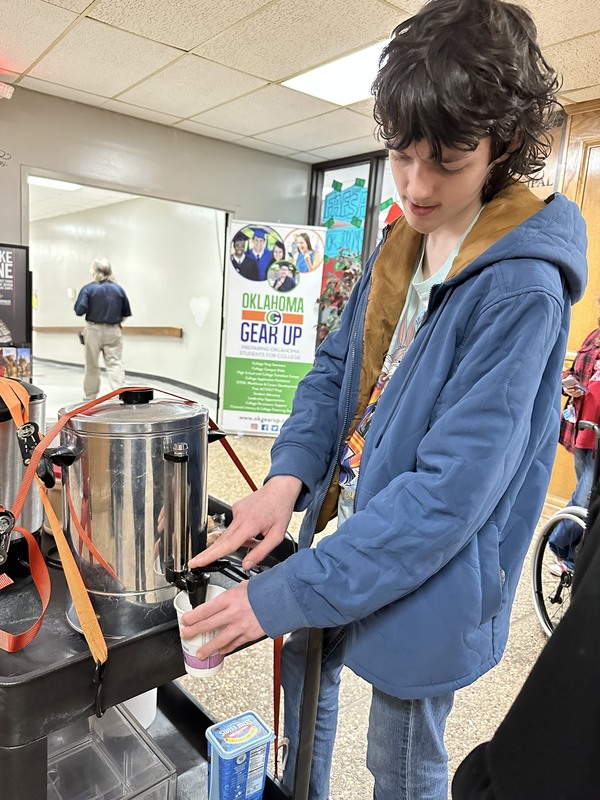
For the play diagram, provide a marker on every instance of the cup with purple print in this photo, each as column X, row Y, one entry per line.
column 199, row 668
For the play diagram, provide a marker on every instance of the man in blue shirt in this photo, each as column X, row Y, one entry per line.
column 105, row 305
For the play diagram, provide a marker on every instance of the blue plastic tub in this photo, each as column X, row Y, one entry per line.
column 238, row 752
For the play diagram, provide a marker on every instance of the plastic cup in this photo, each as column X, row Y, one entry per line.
column 199, row 668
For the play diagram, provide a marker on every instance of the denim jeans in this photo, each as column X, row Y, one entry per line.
column 566, row 536
column 406, row 753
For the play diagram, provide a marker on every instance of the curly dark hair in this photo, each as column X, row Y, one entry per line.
column 462, row 70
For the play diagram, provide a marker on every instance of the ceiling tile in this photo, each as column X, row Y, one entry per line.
column 287, row 37
column 180, row 23
column 363, row 107
column 207, row 130
column 579, row 95
column 268, row 108
column 28, row 29
column 308, row 158
column 331, row 128
column 140, row 113
column 73, row 5
column 409, row 6
column 190, row 86
column 555, row 25
column 97, row 58
column 578, row 61
column 267, row 147
column 37, row 85
column 366, row 144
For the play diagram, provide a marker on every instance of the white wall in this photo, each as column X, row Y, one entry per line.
column 49, row 135
column 107, row 149
column 169, row 259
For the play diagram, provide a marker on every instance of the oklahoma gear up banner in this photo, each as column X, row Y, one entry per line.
column 273, row 282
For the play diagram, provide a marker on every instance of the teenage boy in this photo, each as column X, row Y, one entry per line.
column 435, row 454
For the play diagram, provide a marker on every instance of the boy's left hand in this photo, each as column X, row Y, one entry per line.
column 232, row 612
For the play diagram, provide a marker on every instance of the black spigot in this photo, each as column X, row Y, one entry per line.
column 196, row 583
column 193, row 581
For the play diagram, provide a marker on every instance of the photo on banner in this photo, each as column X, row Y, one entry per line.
column 273, row 282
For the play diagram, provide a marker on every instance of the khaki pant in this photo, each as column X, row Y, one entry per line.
column 108, row 340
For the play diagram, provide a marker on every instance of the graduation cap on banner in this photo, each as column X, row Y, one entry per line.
column 260, row 233
column 240, row 237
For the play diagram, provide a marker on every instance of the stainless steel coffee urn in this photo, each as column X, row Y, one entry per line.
column 136, row 489
column 12, row 470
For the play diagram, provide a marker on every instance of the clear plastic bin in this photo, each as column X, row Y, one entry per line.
column 111, row 758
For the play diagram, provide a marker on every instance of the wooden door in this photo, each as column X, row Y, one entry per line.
column 579, row 180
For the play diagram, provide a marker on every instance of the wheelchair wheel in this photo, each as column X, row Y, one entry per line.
column 551, row 592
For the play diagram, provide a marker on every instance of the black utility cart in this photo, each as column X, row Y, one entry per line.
column 50, row 684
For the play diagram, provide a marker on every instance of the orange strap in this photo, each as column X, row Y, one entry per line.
column 11, row 642
column 81, row 599
column 16, row 399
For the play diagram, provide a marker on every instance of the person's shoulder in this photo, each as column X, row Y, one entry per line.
column 590, row 339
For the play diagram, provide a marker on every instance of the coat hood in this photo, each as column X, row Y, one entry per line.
column 517, row 225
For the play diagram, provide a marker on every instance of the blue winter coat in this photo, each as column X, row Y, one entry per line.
column 455, row 467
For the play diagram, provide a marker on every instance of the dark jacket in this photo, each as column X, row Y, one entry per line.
column 247, row 268
column 548, row 747
column 287, row 284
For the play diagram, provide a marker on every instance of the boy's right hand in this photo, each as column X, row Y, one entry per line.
column 267, row 511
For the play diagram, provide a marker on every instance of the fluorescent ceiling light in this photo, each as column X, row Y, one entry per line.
column 52, row 184
column 344, row 81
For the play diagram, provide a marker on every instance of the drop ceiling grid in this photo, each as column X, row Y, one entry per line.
column 57, row 90
column 580, row 95
column 579, row 60
column 139, row 112
column 189, row 86
column 267, row 108
column 336, row 126
column 72, row 5
column 557, row 20
column 28, row 29
column 207, row 130
column 366, row 144
column 288, row 37
column 180, row 23
column 96, row 58
column 127, row 56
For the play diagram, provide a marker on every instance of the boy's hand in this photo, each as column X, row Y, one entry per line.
column 231, row 611
column 267, row 511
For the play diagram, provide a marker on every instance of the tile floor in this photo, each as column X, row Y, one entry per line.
column 245, row 681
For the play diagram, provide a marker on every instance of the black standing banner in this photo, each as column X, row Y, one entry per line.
column 15, row 311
